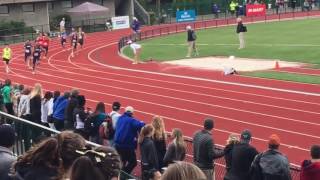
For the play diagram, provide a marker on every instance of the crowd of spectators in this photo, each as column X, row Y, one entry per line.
column 121, row 135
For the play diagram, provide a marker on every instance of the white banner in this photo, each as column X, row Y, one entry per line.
column 120, row 22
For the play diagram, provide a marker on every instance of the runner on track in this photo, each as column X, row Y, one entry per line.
column 74, row 42
column 80, row 37
column 27, row 53
column 36, row 57
column 6, row 56
column 63, row 39
column 46, row 42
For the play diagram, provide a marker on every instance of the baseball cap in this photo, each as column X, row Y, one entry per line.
column 274, row 140
column 246, row 135
column 129, row 109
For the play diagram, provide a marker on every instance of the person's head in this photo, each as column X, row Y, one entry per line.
column 7, row 135
column 208, row 124
column 188, row 28
column 233, row 139
column 63, row 19
column 45, row 154
column 81, row 101
column 21, row 87
column 129, row 109
column 99, row 164
column 56, row 94
column 69, row 142
column 182, row 171
column 100, row 108
column 74, row 92
column 315, row 152
column 26, row 91
column 159, row 129
column 116, row 106
column 274, row 142
column 178, row 137
column 146, row 131
column 66, row 95
column 245, row 136
column 129, row 42
column 48, row 95
column 37, row 90
column 239, row 20
column 7, row 82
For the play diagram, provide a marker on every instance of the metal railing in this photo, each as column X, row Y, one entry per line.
column 167, row 29
column 29, row 133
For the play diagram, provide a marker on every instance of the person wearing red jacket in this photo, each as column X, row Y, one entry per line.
column 45, row 44
column 310, row 169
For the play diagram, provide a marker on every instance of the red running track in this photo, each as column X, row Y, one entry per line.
column 183, row 96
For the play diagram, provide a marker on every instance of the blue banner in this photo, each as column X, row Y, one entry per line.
column 185, row 16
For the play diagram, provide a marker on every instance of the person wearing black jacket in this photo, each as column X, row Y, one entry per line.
column 191, row 39
column 79, row 116
column 71, row 105
column 242, row 156
column 241, row 29
column 204, row 151
column 149, row 157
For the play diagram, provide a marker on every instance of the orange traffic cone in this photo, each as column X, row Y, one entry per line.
column 277, row 66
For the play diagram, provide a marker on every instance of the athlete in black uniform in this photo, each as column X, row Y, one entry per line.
column 36, row 57
column 27, row 53
column 74, row 42
column 81, row 37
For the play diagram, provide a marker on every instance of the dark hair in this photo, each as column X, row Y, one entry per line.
column 21, row 87
column 26, row 91
column 7, row 135
column 208, row 124
column 48, row 95
column 84, row 169
column 81, row 100
column 7, row 82
column 315, row 152
column 183, row 170
column 273, row 146
column 100, row 108
column 45, row 154
column 66, row 94
column 56, row 94
column 116, row 106
column 69, row 142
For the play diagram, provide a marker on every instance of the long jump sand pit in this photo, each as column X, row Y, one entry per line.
column 239, row 64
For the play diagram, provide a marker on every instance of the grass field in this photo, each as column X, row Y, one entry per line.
column 287, row 40
column 296, row 41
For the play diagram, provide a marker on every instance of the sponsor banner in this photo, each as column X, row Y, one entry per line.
column 186, row 16
column 255, row 9
column 120, row 22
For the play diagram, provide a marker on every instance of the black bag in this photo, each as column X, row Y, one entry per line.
column 89, row 124
column 244, row 29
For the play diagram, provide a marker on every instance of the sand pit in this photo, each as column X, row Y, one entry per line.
column 240, row 64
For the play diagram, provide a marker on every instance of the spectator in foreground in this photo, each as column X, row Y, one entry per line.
column 97, row 118
column 45, row 107
column 159, row 138
column 35, row 103
column 204, row 151
column 58, row 111
column 182, row 171
column 41, row 162
column 80, row 116
column 125, row 142
column 71, row 105
column 6, row 92
column 176, row 149
column 102, row 163
column 310, row 169
column 114, row 115
column 271, row 164
column 7, row 158
column 148, row 151
column 24, row 104
column 231, row 142
column 242, row 156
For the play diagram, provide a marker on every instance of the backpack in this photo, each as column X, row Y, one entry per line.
column 106, row 130
column 89, row 124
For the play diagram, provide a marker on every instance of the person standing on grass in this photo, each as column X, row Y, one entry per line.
column 135, row 27
column 136, row 48
column 191, row 39
column 310, row 169
column 36, row 57
column 241, row 29
column 241, row 157
column 6, row 56
column 27, row 53
column 62, row 25
column 204, row 151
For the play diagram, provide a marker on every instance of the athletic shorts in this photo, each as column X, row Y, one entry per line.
column 35, row 59
column 6, row 60
column 81, row 42
column 46, row 48
column 26, row 55
column 74, row 45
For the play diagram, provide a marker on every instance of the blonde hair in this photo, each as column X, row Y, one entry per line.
column 36, row 91
column 147, row 130
column 178, row 138
column 159, row 129
column 182, row 171
column 233, row 139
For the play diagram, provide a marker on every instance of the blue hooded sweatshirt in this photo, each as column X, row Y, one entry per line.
column 59, row 107
column 127, row 129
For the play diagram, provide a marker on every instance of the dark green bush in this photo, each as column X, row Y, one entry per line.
column 13, row 27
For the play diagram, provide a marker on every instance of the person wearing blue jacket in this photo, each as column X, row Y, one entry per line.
column 125, row 140
column 59, row 107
